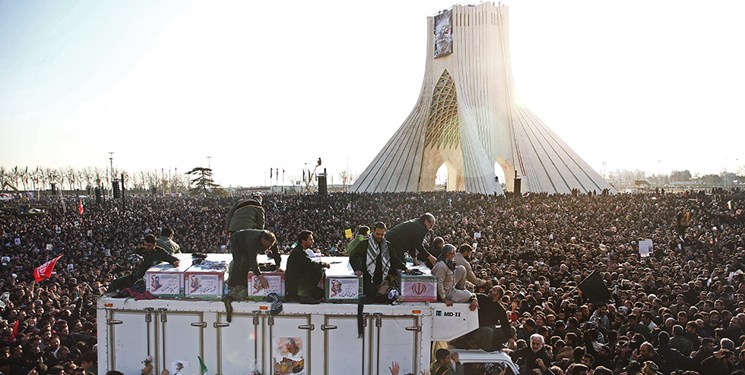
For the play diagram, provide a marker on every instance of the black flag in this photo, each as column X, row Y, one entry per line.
column 594, row 290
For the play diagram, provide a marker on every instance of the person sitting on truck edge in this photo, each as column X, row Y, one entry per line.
column 409, row 237
column 463, row 258
column 151, row 255
column 448, row 275
column 373, row 261
column 245, row 245
column 303, row 275
column 446, row 363
column 166, row 241
column 488, row 337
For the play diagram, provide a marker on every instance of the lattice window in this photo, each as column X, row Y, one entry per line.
column 442, row 126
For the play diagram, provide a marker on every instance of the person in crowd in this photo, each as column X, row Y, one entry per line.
column 410, row 237
column 562, row 231
column 446, row 363
column 373, row 260
column 166, row 242
column 151, row 255
column 533, row 357
column 303, row 274
column 448, row 275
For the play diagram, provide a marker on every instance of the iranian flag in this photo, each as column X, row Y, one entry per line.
column 80, row 206
column 45, row 270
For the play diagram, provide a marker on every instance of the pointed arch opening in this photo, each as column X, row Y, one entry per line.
column 446, row 178
column 500, row 175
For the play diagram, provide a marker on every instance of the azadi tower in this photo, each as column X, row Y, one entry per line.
column 467, row 118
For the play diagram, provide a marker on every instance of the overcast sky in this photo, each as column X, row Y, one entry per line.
column 652, row 85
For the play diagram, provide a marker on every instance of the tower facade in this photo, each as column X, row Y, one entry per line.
column 467, row 118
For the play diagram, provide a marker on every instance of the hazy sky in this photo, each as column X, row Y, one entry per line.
column 652, row 85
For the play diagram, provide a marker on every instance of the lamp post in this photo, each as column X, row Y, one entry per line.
column 111, row 168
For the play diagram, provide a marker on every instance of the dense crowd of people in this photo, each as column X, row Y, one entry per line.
column 679, row 310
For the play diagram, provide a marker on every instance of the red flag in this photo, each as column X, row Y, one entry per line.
column 80, row 206
column 15, row 330
column 45, row 270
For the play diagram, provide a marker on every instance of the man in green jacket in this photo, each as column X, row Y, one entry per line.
column 151, row 255
column 246, row 214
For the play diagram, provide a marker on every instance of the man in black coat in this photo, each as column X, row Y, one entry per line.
column 409, row 237
column 373, row 260
column 533, row 357
column 151, row 255
column 303, row 275
column 494, row 325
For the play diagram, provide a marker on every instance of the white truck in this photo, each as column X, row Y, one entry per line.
column 302, row 339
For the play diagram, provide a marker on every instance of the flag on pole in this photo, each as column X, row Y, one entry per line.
column 15, row 330
column 80, row 206
column 593, row 289
column 202, row 367
column 45, row 270
column 270, row 173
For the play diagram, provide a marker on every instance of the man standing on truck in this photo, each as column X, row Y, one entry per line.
column 151, row 255
column 245, row 245
column 372, row 260
column 303, row 275
column 246, row 214
column 409, row 236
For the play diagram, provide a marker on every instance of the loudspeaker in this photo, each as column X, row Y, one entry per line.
column 98, row 195
column 54, row 188
column 517, row 188
column 322, row 188
column 116, row 189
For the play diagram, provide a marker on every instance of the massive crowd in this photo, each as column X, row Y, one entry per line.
column 689, row 295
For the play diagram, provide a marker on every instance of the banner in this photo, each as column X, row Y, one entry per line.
column 45, row 270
